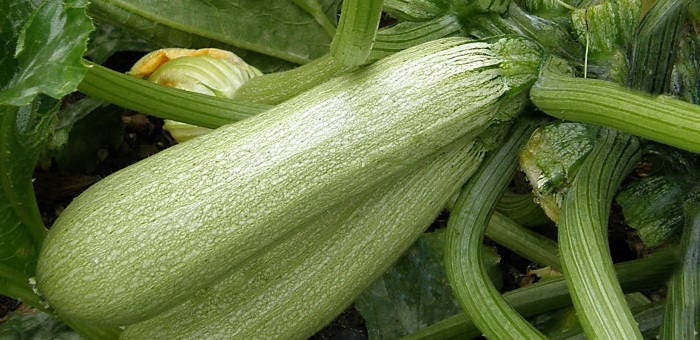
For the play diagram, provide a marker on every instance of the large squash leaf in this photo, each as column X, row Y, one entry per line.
column 260, row 31
column 42, row 47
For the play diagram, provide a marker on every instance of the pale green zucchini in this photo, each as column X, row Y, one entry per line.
column 145, row 238
column 296, row 288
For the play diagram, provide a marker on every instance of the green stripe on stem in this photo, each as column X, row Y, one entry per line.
column 647, row 273
column 523, row 241
column 359, row 21
column 465, row 232
column 682, row 310
column 274, row 88
column 583, row 242
column 163, row 102
column 662, row 119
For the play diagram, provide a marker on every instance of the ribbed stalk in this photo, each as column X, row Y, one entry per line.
column 407, row 34
column 413, row 10
column 661, row 119
column 656, row 46
column 682, row 311
column 522, row 209
column 15, row 284
column 465, row 232
column 647, row 273
column 647, row 316
column 275, row 88
column 167, row 103
column 583, row 242
column 359, row 20
column 523, row 241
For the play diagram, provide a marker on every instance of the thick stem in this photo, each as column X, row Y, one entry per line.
column 167, row 103
column 661, row 119
column 583, row 242
column 274, row 88
column 681, row 314
column 523, row 241
column 647, row 273
column 465, row 232
column 359, row 21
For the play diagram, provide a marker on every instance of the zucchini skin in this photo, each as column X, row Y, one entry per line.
column 296, row 288
column 146, row 238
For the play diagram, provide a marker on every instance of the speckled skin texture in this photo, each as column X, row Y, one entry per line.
column 147, row 237
column 294, row 289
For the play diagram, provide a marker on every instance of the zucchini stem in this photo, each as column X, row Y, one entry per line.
column 163, row 102
column 274, row 88
column 647, row 273
column 359, row 21
column 522, row 209
column 681, row 318
column 583, row 243
column 523, row 241
column 662, row 119
column 465, row 232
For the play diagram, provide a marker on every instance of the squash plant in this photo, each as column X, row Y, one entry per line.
column 326, row 167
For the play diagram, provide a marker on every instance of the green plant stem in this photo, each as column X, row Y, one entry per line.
column 314, row 8
column 522, row 209
column 647, row 273
column 21, row 293
column 407, row 34
column 661, row 119
column 275, row 88
column 15, row 183
column 359, row 21
column 413, row 10
column 656, row 46
column 583, row 243
column 682, row 310
column 523, row 241
column 466, row 272
column 647, row 316
column 167, row 103
column 93, row 332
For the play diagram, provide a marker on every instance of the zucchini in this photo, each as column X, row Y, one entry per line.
column 147, row 237
column 299, row 286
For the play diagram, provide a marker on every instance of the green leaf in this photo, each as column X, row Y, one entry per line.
column 35, row 326
column 276, row 28
column 583, row 242
column 655, row 46
column 48, row 49
column 107, row 39
column 653, row 205
column 43, row 44
column 315, row 8
column 414, row 293
column 23, row 134
column 551, row 158
column 685, row 76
